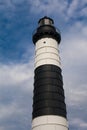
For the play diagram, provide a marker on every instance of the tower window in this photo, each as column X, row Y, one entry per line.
column 44, row 42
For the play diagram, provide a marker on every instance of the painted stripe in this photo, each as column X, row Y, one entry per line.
column 46, row 31
column 46, row 52
column 50, row 122
column 47, row 55
column 47, row 61
column 46, row 49
column 46, row 42
column 49, row 96
column 49, row 88
column 48, row 67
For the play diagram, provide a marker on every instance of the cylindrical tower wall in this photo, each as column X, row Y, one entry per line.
column 49, row 108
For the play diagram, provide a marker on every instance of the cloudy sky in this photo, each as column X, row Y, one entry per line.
column 18, row 20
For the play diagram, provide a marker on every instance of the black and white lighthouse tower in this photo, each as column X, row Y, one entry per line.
column 49, row 108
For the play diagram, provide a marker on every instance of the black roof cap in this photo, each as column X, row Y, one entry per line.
column 45, row 17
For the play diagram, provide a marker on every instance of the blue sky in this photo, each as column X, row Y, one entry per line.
column 18, row 20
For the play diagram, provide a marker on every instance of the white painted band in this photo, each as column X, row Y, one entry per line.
column 50, row 122
column 47, row 55
column 46, row 49
column 46, row 42
column 47, row 61
column 46, row 52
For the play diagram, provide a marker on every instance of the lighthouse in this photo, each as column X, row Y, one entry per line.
column 49, row 108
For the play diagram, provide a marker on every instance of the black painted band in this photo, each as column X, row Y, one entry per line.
column 46, row 31
column 48, row 88
column 49, row 111
column 47, row 67
column 49, row 96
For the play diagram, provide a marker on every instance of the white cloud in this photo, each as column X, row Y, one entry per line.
column 74, row 51
column 79, row 122
column 84, row 30
column 7, row 110
column 82, row 3
column 76, row 95
column 77, row 9
column 80, row 29
column 60, row 9
column 16, row 74
column 72, row 8
column 16, row 84
column 2, row 128
column 84, row 125
column 14, row 115
column 74, row 54
column 83, row 12
column 48, row 7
